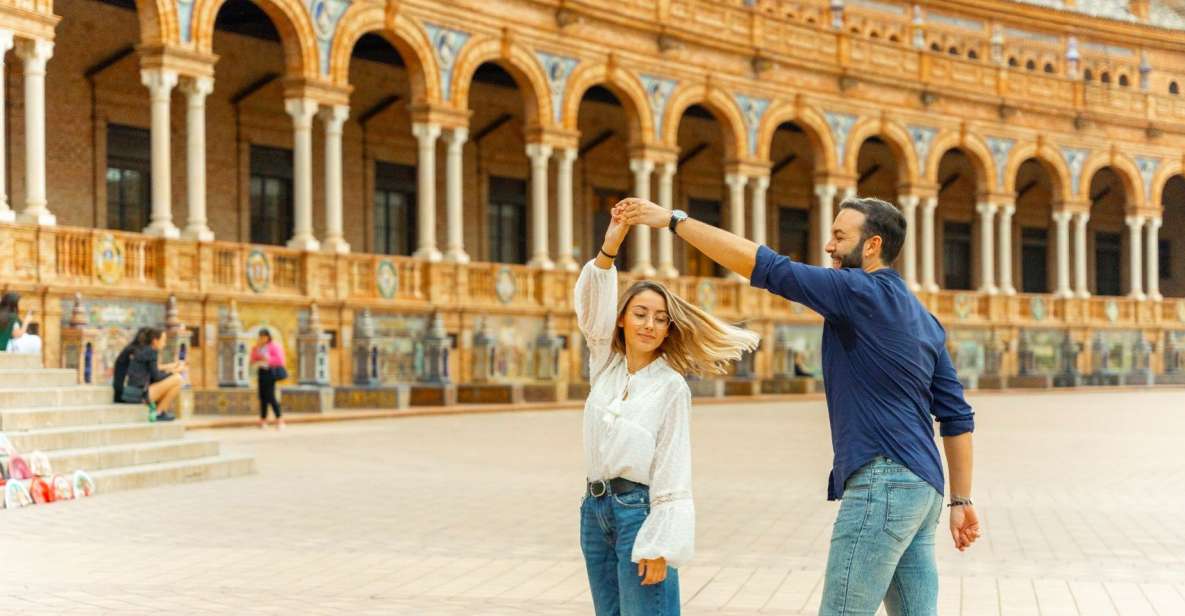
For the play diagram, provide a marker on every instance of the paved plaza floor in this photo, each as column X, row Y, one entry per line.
column 1080, row 493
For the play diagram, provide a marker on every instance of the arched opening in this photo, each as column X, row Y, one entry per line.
column 792, row 206
column 1123, row 81
column 1031, row 65
column 1174, row 88
column 1172, row 238
column 935, row 47
column 1105, row 78
column 602, row 174
column 972, row 55
column 501, row 169
column 954, row 51
column 1108, row 241
column 1036, row 256
column 1013, row 62
column 956, row 223
column 700, row 183
column 874, row 34
column 1049, row 68
column 893, row 38
column 1087, row 75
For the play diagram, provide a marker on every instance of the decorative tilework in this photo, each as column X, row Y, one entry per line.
column 447, row 44
column 752, row 110
column 557, row 69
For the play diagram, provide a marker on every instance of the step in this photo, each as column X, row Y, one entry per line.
column 19, row 361
column 37, row 377
column 165, row 473
column 79, row 437
column 62, row 416
column 36, row 397
column 98, row 458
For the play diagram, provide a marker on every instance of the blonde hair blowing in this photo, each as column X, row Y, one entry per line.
column 697, row 343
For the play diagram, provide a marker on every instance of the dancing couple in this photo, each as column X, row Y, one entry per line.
column 887, row 377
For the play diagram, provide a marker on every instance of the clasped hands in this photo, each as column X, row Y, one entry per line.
column 635, row 211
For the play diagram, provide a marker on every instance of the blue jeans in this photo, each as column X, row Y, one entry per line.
column 882, row 546
column 608, row 525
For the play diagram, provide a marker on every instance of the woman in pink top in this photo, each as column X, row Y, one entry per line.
column 269, row 356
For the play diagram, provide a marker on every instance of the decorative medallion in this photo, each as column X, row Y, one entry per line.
column 752, row 110
column 386, row 278
column 1000, row 148
column 658, row 92
column 1075, row 159
column 964, row 304
column 504, row 285
column 108, row 259
column 447, row 43
column 325, row 14
column 1111, row 310
column 1181, row 310
column 1038, row 308
column 922, row 137
column 705, row 291
column 259, row 271
column 840, row 125
column 557, row 69
column 1147, row 167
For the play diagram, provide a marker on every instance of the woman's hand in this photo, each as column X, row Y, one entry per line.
column 652, row 571
column 614, row 236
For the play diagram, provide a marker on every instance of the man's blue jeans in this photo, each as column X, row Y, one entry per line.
column 608, row 525
column 882, row 546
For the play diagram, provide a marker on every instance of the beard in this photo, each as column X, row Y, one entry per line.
column 854, row 258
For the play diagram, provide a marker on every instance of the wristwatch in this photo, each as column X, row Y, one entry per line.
column 677, row 216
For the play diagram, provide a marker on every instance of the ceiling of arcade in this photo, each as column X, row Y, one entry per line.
column 707, row 60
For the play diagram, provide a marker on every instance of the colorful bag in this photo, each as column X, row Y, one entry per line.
column 62, row 490
column 16, row 495
column 39, row 464
column 40, row 491
column 18, row 468
column 83, row 484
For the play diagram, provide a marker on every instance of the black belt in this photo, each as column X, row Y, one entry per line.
column 600, row 487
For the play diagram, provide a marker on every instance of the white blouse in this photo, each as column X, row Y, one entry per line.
column 645, row 437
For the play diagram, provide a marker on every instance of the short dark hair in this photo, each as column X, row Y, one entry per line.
column 880, row 218
column 263, row 331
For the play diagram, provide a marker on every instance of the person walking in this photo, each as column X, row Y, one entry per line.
column 887, row 376
column 637, row 518
column 148, row 380
column 12, row 328
column 269, row 357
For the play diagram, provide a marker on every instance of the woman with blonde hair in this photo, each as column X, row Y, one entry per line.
column 637, row 519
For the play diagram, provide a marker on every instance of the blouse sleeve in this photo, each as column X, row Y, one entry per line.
column 669, row 529
column 596, row 312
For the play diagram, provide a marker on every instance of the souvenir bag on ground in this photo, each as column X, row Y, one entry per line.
column 16, row 495
column 83, row 484
column 40, row 491
column 18, row 468
column 39, row 464
column 62, row 490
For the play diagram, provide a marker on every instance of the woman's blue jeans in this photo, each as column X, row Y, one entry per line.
column 608, row 525
column 882, row 545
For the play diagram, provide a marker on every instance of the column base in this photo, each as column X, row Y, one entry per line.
column 542, row 263
column 336, row 245
column 165, row 229
column 1082, row 295
column 915, row 287
column 1065, row 294
column 644, row 270
column 1155, row 297
column 430, row 254
column 198, row 234
column 40, row 217
column 1138, row 296
column 568, row 265
column 989, row 290
column 456, row 255
column 1009, row 291
column 308, row 244
column 933, row 288
column 667, row 271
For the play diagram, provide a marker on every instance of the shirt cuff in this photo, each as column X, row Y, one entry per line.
column 955, row 427
column 761, row 267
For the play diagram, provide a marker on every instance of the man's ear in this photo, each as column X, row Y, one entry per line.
column 873, row 246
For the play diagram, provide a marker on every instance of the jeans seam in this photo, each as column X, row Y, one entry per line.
column 847, row 578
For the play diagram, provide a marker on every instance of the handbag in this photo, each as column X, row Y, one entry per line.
column 279, row 373
column 132, row 394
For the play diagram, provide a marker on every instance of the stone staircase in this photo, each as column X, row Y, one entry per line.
column 78, row 427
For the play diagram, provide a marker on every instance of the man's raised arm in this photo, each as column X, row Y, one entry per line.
column 735, row 253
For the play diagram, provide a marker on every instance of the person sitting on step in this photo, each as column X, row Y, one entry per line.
column 147, row 381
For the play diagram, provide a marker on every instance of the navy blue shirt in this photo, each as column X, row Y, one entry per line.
column 885, row 366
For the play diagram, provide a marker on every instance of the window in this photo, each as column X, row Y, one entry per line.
column 935, row 47
column 1031, row 65
column 1105, row 77
column 1107, row 263
column 1165, row 259
column 794, row 233
column 129, row 177
column 1049, row 68
column 1013, row 62
column 956, row 256
column 1034, row 260
column 972, row 55
column 1123, row 82
column 874, row 35
column 271, row 195
column 893, row 38
column 954, row 51
column 506, row 216
column 606, row 199
column 1174, row 88
column 395, row 230
column 1087, row 75
column 707, row 211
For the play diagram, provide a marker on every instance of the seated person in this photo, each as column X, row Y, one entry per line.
column 147, row 381
column 28, row 343
column 121, row 366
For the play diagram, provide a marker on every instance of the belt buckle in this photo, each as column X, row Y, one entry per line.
column 592, row 488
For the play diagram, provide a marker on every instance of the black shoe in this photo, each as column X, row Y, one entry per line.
column 165, row 416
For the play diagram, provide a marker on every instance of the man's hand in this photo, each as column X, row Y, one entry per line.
column 964, row 526
column 635, row 211
column 652, row 571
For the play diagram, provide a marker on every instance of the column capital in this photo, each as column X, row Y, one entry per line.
column 1062, row 216
column 334, row 116
column 760, row 182
column 425, row 132
column 929, row 204
column 35, row 53
column 301, row 110
column 668, row 168
column 1007, row 209
column 566, row 155
column 159, row 81
column 185, row 61
column 197, row 87
column 641, row 165
column 457, row 136
column 539, row 152
column 736, row 181
column 826, row 191
column 986, row 208
column 323, row 92
column 1081, row 217
column 1154, row 222
column 908, row 201
column 1134, row 221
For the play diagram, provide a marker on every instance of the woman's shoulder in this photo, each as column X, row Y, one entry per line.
column 670, row 378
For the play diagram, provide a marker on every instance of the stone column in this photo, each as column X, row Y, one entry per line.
column 1135, row 227
column 540, row 154
column 334, row 117
column 302, row 110
column 987, row 214
column 909, row 207
column 1153, row 268
column 929, row 266
column 6, row 213
column 825, row 193
column 426, row 134
column 196, row 89
column 1006, row 211
column 565, row 158
column 736, row 202
column 35, row 54
column 666, row 241
column 760, row 187
column 1080, row 220
column 642, row 266
column 454, row 250
column 160, row 84
column 1062, row 219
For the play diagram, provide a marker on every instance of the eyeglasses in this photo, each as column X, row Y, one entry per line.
column 659, row 321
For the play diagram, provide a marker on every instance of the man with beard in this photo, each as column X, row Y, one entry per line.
column 885, row 371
